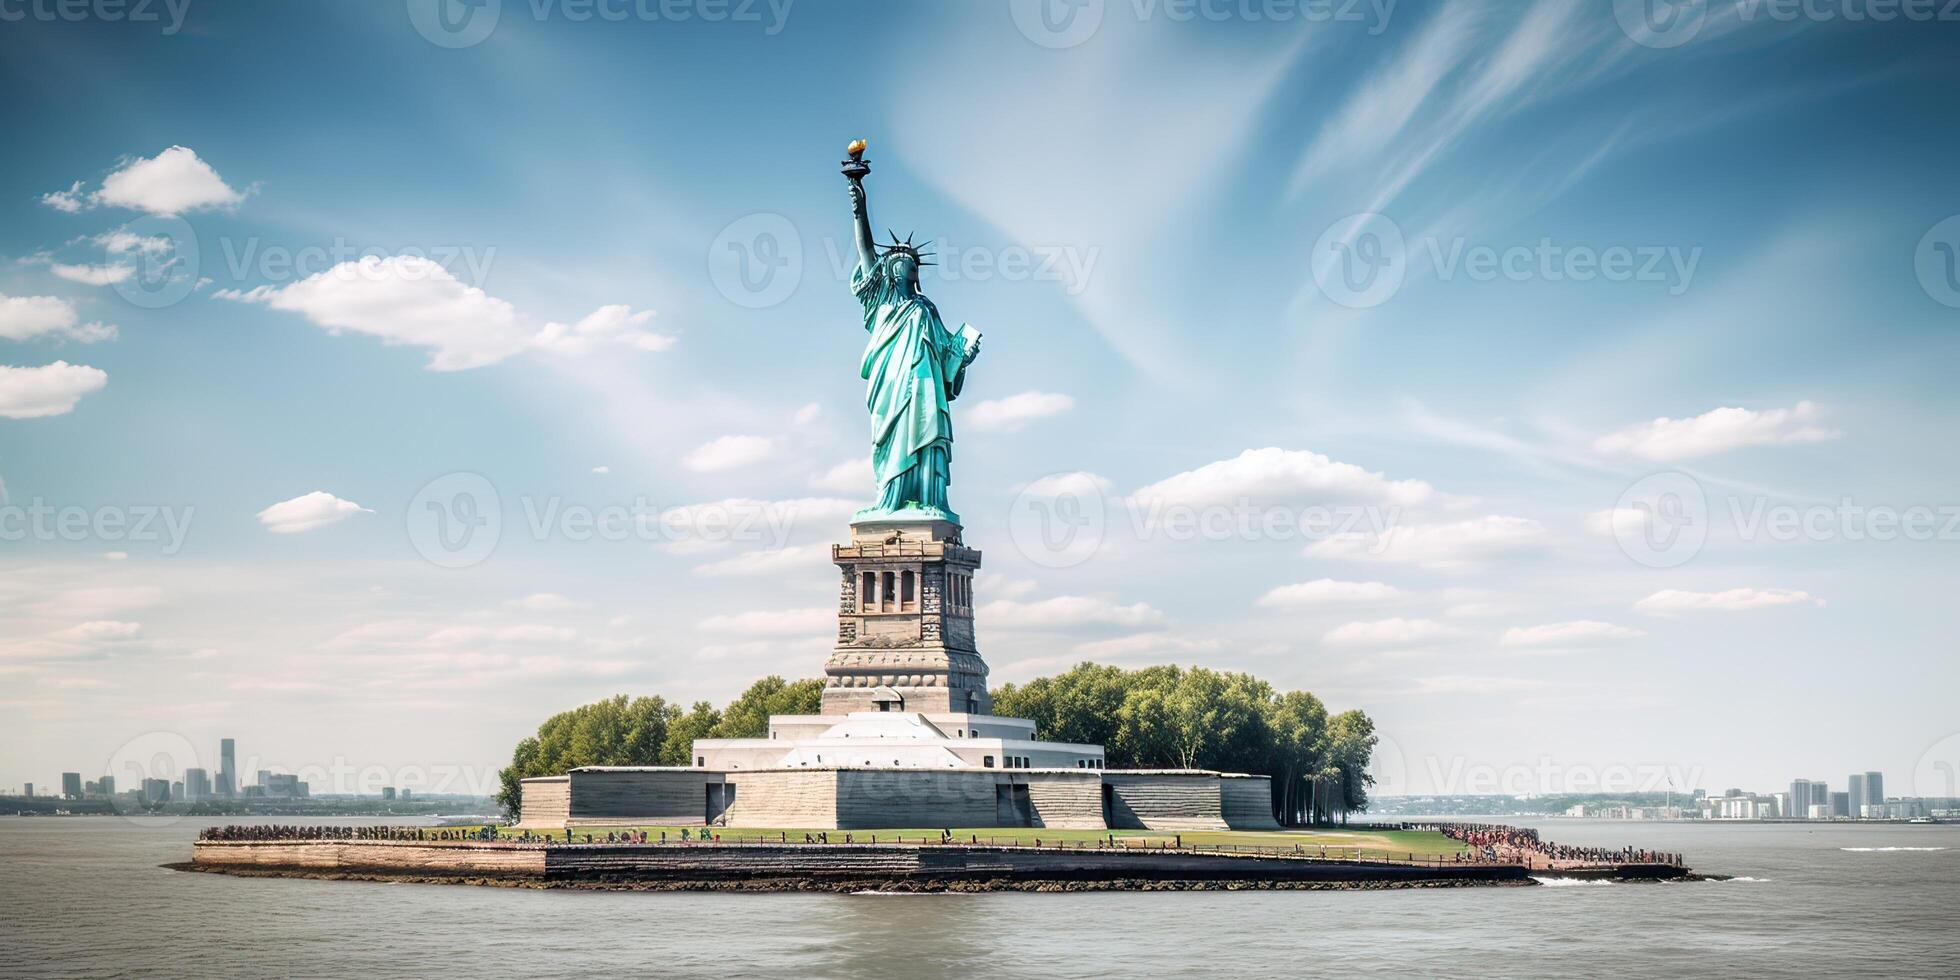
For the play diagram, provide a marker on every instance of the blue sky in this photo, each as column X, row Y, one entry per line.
column 1600, row 274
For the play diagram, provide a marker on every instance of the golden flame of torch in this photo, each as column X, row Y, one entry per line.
column 856, row 149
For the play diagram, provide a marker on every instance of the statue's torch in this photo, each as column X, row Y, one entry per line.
column 855, row 165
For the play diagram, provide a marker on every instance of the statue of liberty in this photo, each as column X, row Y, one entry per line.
column 913, row 368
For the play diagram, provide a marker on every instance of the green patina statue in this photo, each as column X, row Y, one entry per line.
column 913, row 368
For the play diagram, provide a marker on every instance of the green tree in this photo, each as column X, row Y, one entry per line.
column 1158, row 717
column 1078, row 706
column 1351, row 743
column 1297, row 723
column 699, row 722
column 748, row 716
column 615, row 732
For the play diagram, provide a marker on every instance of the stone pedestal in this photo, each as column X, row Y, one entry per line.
column 905, row 622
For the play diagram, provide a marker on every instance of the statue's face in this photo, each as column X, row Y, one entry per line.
column 903, row 267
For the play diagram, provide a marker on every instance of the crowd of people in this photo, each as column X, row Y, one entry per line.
column 297, row 832
column 1498, row 841
column 267, row 832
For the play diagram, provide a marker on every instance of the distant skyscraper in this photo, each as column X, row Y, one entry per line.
column 197, row 785
column 227, row 767
column 387, row 792
column 1799, row 805
column 1841, row 805
column 156, row 790
column 1875, row 787
column 1855, row 789
column 71, row 785
column 28, row 791
column 107, row 787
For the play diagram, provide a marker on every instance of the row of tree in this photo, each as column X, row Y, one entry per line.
column 1170, row 717
column 647, row 731
column 1164, row 717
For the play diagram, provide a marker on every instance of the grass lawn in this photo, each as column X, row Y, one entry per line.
column 1362, row 843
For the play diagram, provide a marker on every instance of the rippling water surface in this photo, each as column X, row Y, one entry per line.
column 84, row 896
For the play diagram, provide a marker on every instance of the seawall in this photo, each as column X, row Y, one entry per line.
column 777, row 867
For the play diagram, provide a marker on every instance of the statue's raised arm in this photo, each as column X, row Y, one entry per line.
column 855, row 170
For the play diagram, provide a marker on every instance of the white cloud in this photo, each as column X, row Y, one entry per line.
column 98, row 603
column 547, row 602
column 1669, row 601
column 25, row 317
column 100, row 631
column 414, row 301
column 115, row 555
column 994, row 585
column 614, row 325
column 696, row 528
column 770, row 561
column 1465, row 602
column 71, row 200
column 1145, row 644
column 806, row 415
column 403, row 299
column 52, row 389
column 1714, row 432
column 1578, row 632
column 307, row 512
column 1475, row 685
column 1618, row 521
column 1462, row 546
column 1273, row 473
column 602, row 470
column 1388, row 633
column 1066, row 611
column 1327, row 591
column 1077, row 483
column 521, row 634
column 411, row 643
column 1014, row 412
column 169, row 183
column 786, row 622
column 123, row 241
column 850, row 476
column 692, row 546
column 92, row 275
column 729, row 452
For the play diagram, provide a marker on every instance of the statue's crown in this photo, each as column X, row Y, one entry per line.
column 907, row 248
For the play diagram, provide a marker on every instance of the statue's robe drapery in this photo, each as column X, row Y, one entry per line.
column 913, row 368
